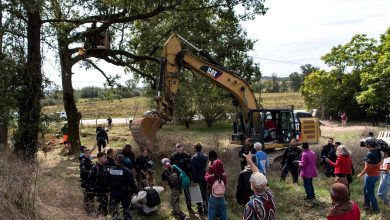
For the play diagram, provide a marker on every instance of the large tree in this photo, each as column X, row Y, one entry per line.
column 214, row 24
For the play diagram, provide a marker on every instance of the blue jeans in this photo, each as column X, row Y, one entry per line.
column 368, row 190
column 309, row 189
column 383, row 188
column 217, row 206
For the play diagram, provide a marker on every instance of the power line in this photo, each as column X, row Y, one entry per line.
column 278, row 61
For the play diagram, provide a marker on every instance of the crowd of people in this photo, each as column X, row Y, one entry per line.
column 120, row 177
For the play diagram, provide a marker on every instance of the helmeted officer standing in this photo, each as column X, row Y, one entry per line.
column 122, row 186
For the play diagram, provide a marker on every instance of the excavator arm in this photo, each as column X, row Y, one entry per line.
column 174, row 59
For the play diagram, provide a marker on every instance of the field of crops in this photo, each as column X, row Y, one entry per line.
column 282, row 100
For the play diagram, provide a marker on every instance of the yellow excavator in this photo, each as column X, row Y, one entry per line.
column 273, row 127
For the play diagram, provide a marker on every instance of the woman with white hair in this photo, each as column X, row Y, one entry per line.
column 343, row 165
column 262, row 204
column 262, row 158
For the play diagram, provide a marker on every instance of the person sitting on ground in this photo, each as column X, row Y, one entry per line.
column 243, row 190
column 216, row 181
column 141, row 199
column 308, row 165
column 384, row 184
column 110, row 158
column 248, row 146
column 262, row 204
column 343, row 208
column 198, row 166
column 172, row 177
column 343, row 165
column 262, row 158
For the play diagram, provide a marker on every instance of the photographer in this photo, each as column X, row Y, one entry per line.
column 371, row 173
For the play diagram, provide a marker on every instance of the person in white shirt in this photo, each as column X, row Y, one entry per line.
column 140, row 199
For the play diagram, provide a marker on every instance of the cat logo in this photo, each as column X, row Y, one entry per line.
column 211, row 71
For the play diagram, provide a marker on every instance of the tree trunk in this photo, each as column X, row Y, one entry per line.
column 4, row 130
column 72, row 113
column 31, row 90
column 187, row 123
column 209, row 123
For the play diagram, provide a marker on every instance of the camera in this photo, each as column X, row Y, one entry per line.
column 377, row 143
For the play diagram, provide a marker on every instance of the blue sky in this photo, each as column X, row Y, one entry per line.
column 293, row 31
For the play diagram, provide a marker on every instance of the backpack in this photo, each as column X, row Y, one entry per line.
column 184, row 179
column 152, row 198
column 218, row 188
column 256, row 205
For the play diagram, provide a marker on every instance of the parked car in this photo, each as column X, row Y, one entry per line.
column 62, row 115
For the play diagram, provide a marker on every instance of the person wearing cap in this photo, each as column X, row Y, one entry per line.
column 371, row 174
column 140, row 199
column 262, row 158
column 172, row 177
column 343, row 165
column 217, row 204
column 247, row 147
column 384, row 184
column 198, row 166
column 243, row 190
column 289, row 161
column 308, row 165
column 343, row 208
column 121, row 186
column 182, row 159
column 262, row 204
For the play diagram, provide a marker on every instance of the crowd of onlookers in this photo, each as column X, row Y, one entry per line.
column 120, row 177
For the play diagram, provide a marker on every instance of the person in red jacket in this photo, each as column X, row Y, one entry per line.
column 343, row 208
column 343, row 165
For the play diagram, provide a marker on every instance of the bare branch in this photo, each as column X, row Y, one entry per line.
column 110, row 83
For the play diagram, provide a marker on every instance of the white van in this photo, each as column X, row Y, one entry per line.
column 62, row 115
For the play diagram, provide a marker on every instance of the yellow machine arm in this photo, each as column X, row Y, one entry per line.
column 144, row 129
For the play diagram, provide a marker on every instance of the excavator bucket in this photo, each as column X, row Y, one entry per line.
column 144, row 131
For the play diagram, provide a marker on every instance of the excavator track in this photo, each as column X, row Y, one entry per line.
column 144, row 131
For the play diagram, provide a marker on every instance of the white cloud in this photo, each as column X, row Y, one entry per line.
column 301, row 31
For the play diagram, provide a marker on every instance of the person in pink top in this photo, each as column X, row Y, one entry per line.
column 342, row 206
column 308, row 165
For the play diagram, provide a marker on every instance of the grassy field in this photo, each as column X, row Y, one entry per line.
column 59, row 173
column 92, row 108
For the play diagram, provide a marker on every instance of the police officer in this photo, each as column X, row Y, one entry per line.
column 97, row 181
column 290, row 160
column 122, row 186
column 85, row 167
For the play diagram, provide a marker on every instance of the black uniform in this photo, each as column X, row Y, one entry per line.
column 328, row 151
column 121, row 186
column 110, row 162
column 101, row 139
column 245, row 150
column 97, row 181
column 85, row 167
column 289, row 163
column 183, row 161
column 141, row 166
